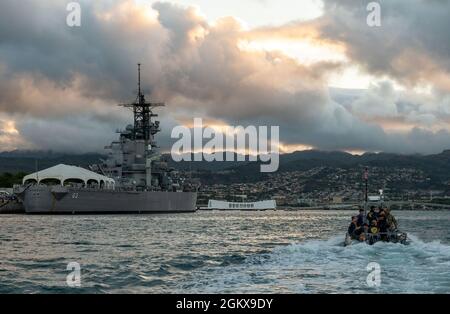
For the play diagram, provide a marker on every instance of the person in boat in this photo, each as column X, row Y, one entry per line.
column 372, row 215
column 378, row 211
column 366, row 228
column 374, row 229
column 360, row 217
column 374, row 232
column 381, row 221
column 353, row 228
column 391, row 222
column 360, row 233
column 362, row 237
column 382, row 225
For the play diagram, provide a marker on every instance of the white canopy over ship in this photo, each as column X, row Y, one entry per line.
column 65, row 174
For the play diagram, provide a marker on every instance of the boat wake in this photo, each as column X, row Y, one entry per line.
column 326, row 266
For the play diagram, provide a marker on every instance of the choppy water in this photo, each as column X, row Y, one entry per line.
column 226, row 252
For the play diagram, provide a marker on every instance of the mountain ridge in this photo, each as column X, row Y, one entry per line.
column 437, row 166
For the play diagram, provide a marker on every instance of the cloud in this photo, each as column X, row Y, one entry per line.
column 412, row 44
column 61, row 85
column 9, row 135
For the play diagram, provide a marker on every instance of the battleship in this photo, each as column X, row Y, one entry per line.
column 134, row 178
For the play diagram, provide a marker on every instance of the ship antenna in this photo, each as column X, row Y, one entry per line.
column 139, row 81
column 142, row 111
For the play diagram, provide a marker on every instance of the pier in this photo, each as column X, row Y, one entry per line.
column 396, row 205
column 11, row 207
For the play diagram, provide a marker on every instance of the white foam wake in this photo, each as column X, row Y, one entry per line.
column 326, row 266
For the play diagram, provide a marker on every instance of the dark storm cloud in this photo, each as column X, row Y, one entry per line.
column 60, row 85
column 412, row 44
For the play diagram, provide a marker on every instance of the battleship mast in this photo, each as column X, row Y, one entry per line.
column 144, row 128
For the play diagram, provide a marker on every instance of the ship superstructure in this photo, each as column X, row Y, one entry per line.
column 134, row 161
column 143, row 182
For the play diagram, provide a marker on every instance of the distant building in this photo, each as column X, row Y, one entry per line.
column 337, row 200
column 280, row 199
column 374, row 198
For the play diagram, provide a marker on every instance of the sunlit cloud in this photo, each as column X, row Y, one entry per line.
column 290, row 148
column 311, row 67
column 255, row 13
column 8, row 127
column 10, row 137
column 304, row 51
column 356, row 151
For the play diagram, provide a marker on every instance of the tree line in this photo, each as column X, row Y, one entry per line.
column 7, row 179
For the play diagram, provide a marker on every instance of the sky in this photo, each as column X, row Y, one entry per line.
column 313, row 67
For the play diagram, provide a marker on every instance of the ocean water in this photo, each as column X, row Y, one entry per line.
column 219, row 252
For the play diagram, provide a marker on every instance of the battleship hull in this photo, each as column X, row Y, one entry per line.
column 62, row 200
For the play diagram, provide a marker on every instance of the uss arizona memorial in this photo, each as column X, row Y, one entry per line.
column 224, row 205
